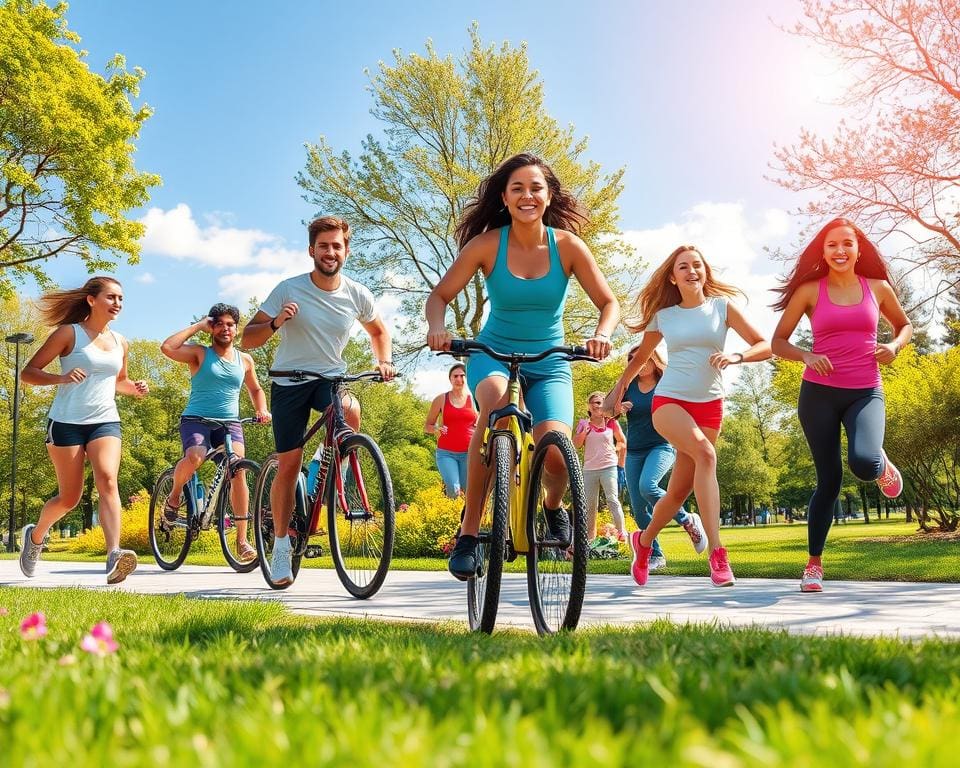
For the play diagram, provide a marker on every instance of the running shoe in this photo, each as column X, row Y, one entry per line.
column 720, row 572
column 657, row 562
column 812, row 579
column 464, row 563
column 120, row 564
column 694, row 529
column 640, row 568
column 891, row 481
column 558, row 524
column 29, row 552
column 281, row 564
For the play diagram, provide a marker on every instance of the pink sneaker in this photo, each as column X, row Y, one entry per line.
column 891, row 481
column 640, row 568
column 812, row 579
column 720, row 571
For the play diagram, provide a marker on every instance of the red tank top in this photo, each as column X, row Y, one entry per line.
column 460, row 423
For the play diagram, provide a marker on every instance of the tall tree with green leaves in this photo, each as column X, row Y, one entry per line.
column 67, row 176
column 448, row 122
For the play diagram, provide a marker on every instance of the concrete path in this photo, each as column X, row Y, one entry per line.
column 851, row 607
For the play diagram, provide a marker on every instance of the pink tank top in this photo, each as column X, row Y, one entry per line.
column 598, row 450
column 848, row 336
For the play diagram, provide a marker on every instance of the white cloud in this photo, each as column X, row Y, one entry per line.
column 145, row 278
column 431, row 381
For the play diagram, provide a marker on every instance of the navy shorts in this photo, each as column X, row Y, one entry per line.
column 63, row 435
column 194, row 433
column 291, row 405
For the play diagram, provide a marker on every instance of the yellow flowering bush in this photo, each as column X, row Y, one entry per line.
column 426, row 526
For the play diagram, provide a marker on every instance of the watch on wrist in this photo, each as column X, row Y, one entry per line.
column 273, row 327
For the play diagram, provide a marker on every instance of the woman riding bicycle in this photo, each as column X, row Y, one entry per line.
column 520, row 230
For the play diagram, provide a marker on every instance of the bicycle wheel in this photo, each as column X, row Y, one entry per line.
column 244, row 471
column 483, row 590
column 556, row 570
column 361, row 536
column 170, row 542
column 263, row 521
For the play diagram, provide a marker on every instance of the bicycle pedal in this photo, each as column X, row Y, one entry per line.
column 314, row 550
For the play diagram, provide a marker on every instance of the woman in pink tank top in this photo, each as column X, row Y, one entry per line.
column 457, row 421
column 842, row 285
column 601, row 438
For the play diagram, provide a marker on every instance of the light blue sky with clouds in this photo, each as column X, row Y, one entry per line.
column 688, row 96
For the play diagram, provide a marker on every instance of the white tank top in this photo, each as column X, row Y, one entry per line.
column 93, row 400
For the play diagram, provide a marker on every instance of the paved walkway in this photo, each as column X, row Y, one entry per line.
column 852, row 607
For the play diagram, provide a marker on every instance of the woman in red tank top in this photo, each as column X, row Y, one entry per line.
column 458, row 419
column 842, row 285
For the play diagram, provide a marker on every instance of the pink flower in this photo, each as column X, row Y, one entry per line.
column 100, row 640
column 3, row 611
column 403, row 507
column 33, row 627
column 67, row 661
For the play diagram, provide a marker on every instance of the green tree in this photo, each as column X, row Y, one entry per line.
column 67, row 177
column 752, row 400
column 745, row 478
column 448, row 123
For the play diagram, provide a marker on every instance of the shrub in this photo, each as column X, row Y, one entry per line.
column 426, row 526
column 133, row 530
column 412, row 470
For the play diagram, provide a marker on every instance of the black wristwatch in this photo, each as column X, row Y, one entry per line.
column 273, row 327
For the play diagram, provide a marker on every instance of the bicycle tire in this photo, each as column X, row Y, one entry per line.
column 263, row 522
column 225, row 507
column 483, row 590
column 169, row 545
column 361, row 536
column 556, row 571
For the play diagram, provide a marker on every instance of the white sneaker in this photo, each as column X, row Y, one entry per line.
column 694, row 529
column 657, row 562
column 120, row 564
column 281, row 566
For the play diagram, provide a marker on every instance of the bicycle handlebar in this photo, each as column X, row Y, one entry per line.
column 465, row 347
column 346, row 378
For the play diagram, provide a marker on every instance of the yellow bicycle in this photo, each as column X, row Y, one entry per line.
column 513, row 520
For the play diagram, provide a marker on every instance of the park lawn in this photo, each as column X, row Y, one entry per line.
column 215, row 682
column 883, row 550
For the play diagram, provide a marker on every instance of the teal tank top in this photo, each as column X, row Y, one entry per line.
column 215, row 387
column 526, row 315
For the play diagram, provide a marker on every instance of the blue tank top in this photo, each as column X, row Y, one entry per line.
column 215, row 387
column 526, row 315
column 641, row 434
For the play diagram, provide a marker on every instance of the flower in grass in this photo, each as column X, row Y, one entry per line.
column 100, row 640
column 67, row 661
column 33, row 627
column 3, row 611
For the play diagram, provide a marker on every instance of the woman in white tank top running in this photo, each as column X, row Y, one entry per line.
column 83, row 420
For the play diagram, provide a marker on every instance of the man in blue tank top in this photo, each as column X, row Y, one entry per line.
column 217, row 373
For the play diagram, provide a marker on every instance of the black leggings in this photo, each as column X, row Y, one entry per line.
column 822, row 410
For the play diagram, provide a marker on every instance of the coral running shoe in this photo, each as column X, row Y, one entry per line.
column 720, row 572
column 812, row 579
column 891, row 481
column 640, row 568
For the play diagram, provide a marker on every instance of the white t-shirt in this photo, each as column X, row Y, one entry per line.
column 314, row 338
column 692, row 335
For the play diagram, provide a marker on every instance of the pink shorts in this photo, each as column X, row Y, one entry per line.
column 709, row 414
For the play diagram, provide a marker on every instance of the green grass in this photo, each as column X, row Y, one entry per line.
column 884, row 550
column 238, row 684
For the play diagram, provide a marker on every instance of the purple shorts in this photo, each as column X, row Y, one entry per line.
column 195, row 433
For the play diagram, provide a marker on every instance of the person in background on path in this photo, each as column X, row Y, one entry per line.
column 649, row 457
column 217, row 373
column 601, row 439
column 520, row 232
column 684, row 304
column 83, row 423
column 458, row 420
column 842, row 284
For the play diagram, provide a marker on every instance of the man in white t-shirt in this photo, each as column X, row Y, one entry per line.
column 314, row 314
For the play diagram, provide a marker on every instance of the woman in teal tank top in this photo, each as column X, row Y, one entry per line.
column 520, row 232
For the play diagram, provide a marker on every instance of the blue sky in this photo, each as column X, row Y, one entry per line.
column 688, row 96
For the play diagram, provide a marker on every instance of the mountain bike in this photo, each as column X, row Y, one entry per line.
column 353, row 488
column 513, row 520
column 170, row 540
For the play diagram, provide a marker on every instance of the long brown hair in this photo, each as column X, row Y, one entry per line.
column 660, row 293
column 811, row 266
column 70, row 306
column 487, row 211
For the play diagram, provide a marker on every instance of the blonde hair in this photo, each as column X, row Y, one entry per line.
column 592, row 395
column 660, row 293
column 71, row 306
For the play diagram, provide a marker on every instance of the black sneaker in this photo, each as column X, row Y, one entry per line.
column 558, row 524
column 464, row 563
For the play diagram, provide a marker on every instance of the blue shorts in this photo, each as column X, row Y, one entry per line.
column 63, row 435
column 194, row 434
column 548, row 397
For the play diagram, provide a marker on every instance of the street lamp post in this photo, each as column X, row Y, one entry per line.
column 17, row 339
